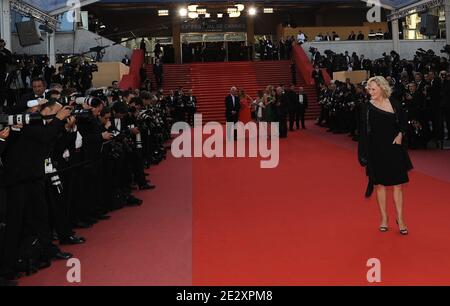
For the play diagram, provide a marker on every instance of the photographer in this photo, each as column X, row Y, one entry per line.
column 91, row 208
column 4, row 134
column 123, row 137
column 28, row 245
column 5, row 61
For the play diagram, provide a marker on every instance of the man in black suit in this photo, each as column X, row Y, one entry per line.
column 5, row 60
column 191, row 107
column 352, row 36
column 360, row 36
column 318, row 78
column 27, row 208
column 3, row 138
column 301, row 107
column 282, row 103
column 233, row 106
column 158, row 71
column 292, row 106
column 38, row 96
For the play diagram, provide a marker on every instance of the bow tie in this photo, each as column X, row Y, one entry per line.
column 39, row 97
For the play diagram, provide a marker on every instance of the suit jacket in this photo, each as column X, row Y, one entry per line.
column 158, row 70
column 318, row 77
column 27, row 150
column 302, row 107
column 230, row 108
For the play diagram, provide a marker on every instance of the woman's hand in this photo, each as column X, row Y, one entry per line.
column 398, row 139
column 4, row 134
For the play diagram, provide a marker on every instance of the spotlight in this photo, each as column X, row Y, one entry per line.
column 252, row 11
column 268, row 10
column 201, row 11
column 163, row 12
column 183, row 12
column 232, row 10
column 207, row 15
column 219, row 15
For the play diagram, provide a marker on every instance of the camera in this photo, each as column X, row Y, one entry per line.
column 21, row 119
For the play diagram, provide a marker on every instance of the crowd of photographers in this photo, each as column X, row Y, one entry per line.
column 69, row 156
column 388, row 64
column 421, row 85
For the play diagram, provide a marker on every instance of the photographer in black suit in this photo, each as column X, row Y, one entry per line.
column 3, row 138
column 28, row 241
column 233, row 106
column 5, row 61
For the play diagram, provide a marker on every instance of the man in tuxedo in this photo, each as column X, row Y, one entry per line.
column 282, row 103
column 158, row 71
column 33, row 99
column 301, row 107
column 27, row 207
column 191, row 107
column 5, row 60
column 233, row 106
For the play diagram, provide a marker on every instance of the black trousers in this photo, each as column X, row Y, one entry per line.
column 27, row 216
column 300, row 116
column 59, row 208
column 283, row 125
column 292, row 120
column 2, row 225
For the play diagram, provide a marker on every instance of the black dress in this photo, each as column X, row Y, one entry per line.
column 389, row 163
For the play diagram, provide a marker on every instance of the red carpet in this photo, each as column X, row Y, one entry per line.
column 307, row 222
column 303, row 223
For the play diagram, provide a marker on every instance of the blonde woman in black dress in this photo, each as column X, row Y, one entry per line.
column 383, row 150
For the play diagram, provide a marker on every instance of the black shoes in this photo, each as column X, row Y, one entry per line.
column 147, row 187
column 133, row 201
column 72, row 240
column 60, row 255
column 403, row 232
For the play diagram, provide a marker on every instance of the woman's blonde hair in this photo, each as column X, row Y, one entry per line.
column 383, row 84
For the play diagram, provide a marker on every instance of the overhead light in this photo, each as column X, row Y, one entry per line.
column 193, row 15
column 234, row 14
column 183, row 12
column 232, row 10
column 240, row 7
column 252, row 11
column 219, row 15
column 268, row 10
column 192, row 8
column 163, row 12
column 201, row 11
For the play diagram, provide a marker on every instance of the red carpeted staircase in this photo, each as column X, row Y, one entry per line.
column 211, row 82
